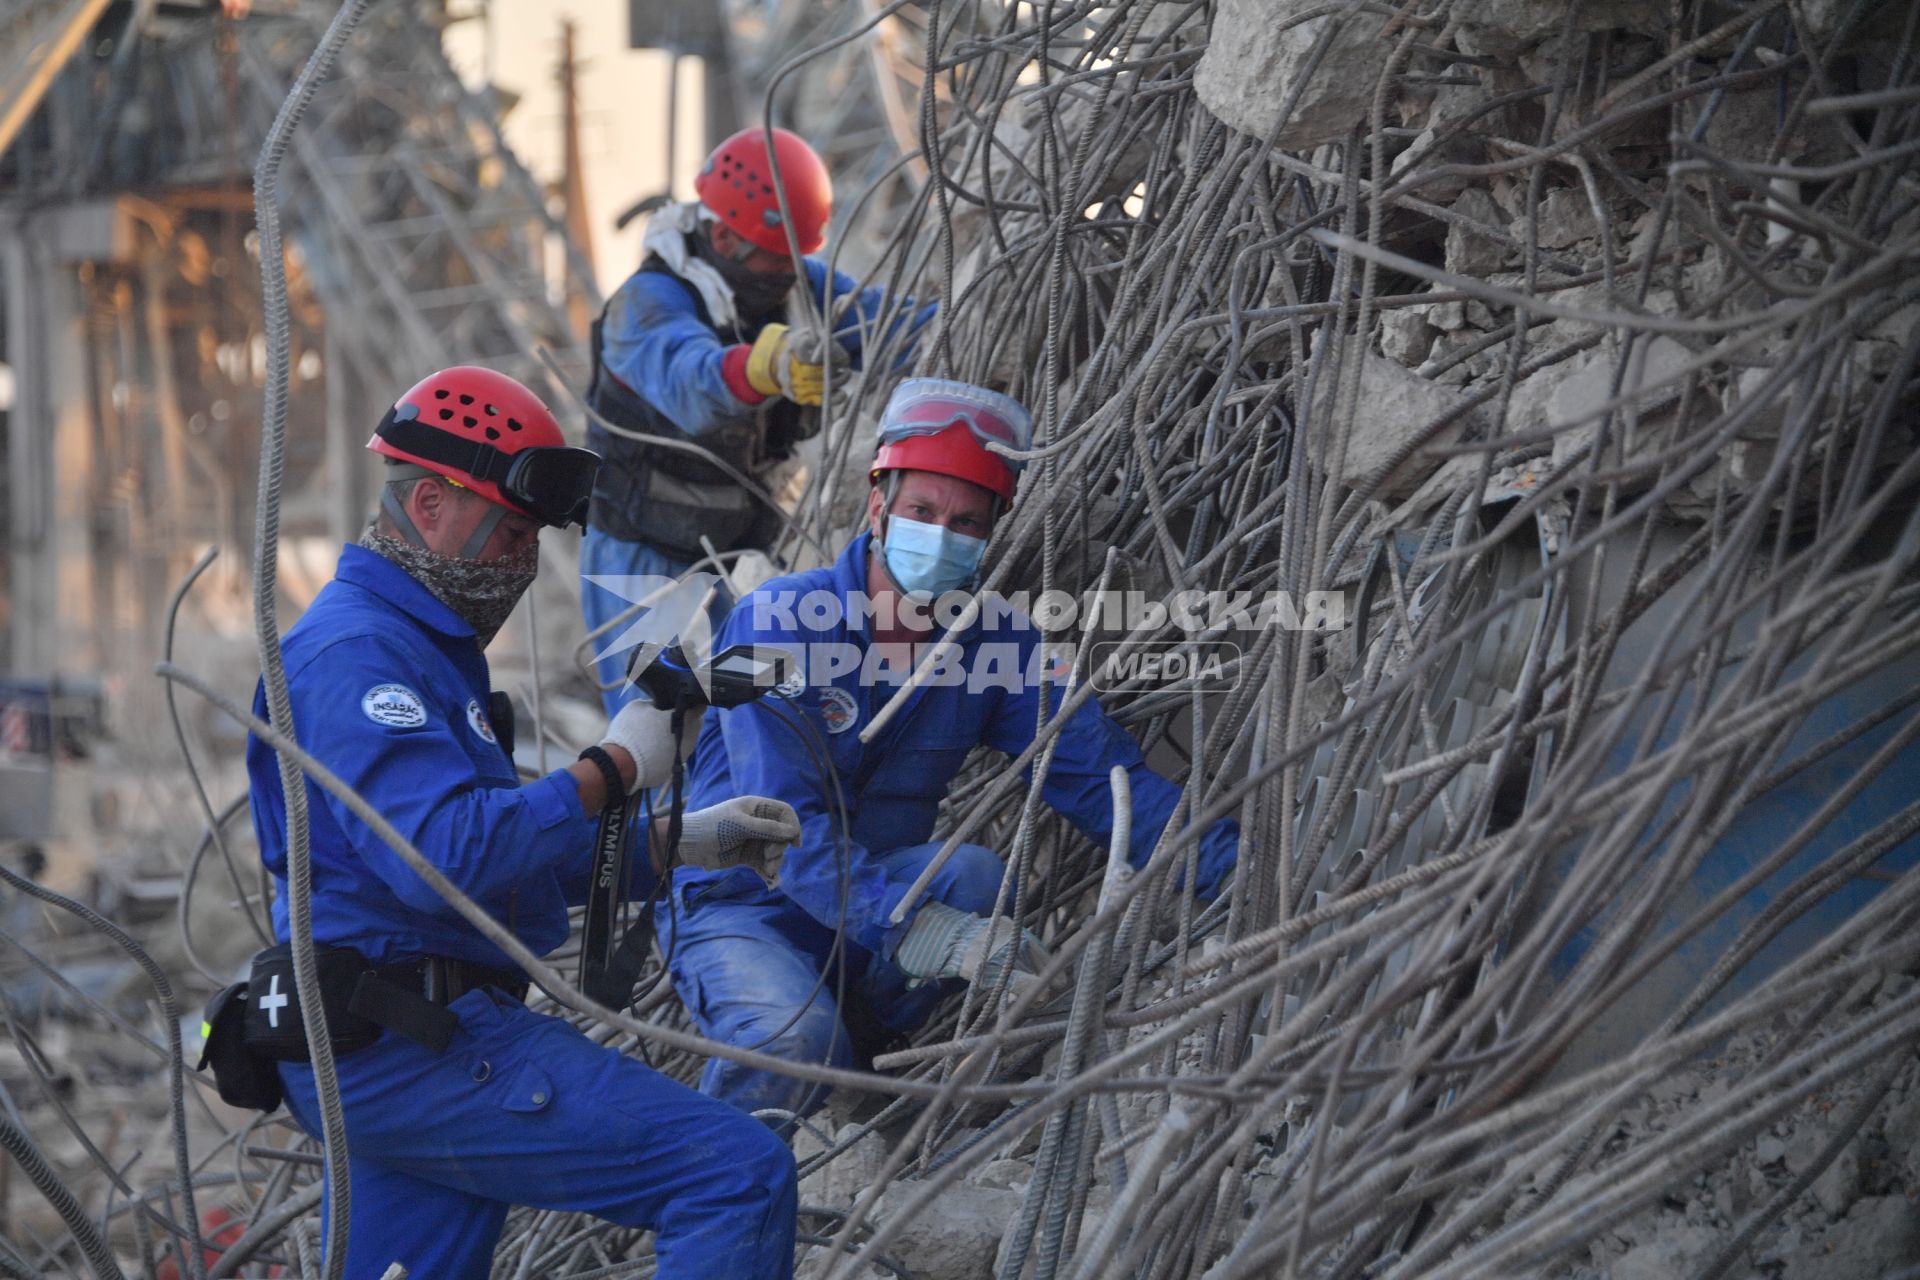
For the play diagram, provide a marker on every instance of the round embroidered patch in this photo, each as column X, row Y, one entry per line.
column 395, row 706
column 478, row 722
column 837, row 709
column 795, row 683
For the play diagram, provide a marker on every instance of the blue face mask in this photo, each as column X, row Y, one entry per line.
column 930, row 557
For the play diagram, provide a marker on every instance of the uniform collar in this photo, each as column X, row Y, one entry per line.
column 392, row 585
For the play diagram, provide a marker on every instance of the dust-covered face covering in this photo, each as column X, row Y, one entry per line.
column 483, row 593
column 755, row 293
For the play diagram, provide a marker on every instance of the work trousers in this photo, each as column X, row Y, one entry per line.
column 521, row 1108
column 756, row 971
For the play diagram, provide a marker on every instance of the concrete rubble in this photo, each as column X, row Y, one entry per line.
column 1859, row 1217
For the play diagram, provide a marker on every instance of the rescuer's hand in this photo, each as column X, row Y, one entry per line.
column 946, row 943
column 746, row 831
column 644, row 732
column 781, row 363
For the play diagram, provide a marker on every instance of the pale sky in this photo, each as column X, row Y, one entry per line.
column 623, row 108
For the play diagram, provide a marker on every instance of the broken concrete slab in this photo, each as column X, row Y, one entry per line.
column 1503, row 27
column 1396, row 406
column 1565, row 219
column 1471, row 253
column 1879, row 1237
column 1405, row 335
column 1259, row 56
column 839, row 1182
column 1677, row 1252
column 956, row 1236
column 1745, row 128
column 1838, row 1185
column 1649, row 380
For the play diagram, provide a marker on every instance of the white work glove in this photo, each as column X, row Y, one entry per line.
column 746, row 831
column 943, row 942
column 645, row 732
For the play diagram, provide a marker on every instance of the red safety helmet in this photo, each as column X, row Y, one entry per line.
column 932, row 424
column 488, row 433
column 736, row 183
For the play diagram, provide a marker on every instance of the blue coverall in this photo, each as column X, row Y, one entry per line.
column 748, row 961
column 389, row 689
column 656, row 343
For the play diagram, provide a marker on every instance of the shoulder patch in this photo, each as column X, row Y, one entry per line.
column 837, row 709
column 395, row 706
column 478, row 722
column 795, row 683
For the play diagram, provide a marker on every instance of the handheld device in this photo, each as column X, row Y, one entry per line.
column 737, row 674
column 610, row 958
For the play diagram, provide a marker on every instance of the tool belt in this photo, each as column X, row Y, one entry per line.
column 254, row 1024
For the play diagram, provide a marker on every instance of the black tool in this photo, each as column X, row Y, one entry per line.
column 611, row 960
column 737, row 674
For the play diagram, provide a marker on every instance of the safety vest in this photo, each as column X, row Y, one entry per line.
column 667, row 498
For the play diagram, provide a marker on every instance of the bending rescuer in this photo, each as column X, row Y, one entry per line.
column 696, row 348
column 460, row 1100
column 753, row 964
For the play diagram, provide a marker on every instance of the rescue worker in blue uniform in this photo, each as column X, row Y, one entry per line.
column 694, row 349
column 753, row 965
column 389, row 689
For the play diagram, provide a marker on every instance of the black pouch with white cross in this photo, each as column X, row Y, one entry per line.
column 274, row 1027
column 243, row 1077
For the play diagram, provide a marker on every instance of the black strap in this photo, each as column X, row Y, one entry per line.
column 500, row 716
column 477, row 458
column 609, row 771
column 403, row 1012
column 599, row 976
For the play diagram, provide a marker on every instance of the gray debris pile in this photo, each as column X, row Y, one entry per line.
column 1844, row 1167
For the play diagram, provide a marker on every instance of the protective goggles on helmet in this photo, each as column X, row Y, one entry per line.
column 552, row 483
column 928, row 406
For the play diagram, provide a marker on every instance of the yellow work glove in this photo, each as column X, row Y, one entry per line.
column 774, row 370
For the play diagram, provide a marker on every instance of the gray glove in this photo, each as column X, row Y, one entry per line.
column 746, row 831
column 946, row 943
column 810, row 347
column 645, row 732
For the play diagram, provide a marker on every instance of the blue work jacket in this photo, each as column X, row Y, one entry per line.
column 659, row 364
column 656, row 340
column 892, row 787
column 389, row 691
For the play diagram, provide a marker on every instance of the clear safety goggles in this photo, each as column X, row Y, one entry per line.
column 928, row 406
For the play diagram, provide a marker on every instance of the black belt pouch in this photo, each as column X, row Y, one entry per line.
column 243, row 1077
column 274, row 1027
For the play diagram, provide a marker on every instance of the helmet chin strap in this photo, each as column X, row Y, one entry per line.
column 400, row 478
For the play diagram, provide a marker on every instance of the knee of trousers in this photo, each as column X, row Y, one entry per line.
column 971, row 879
column 764, row 1166
column 814, row 1036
